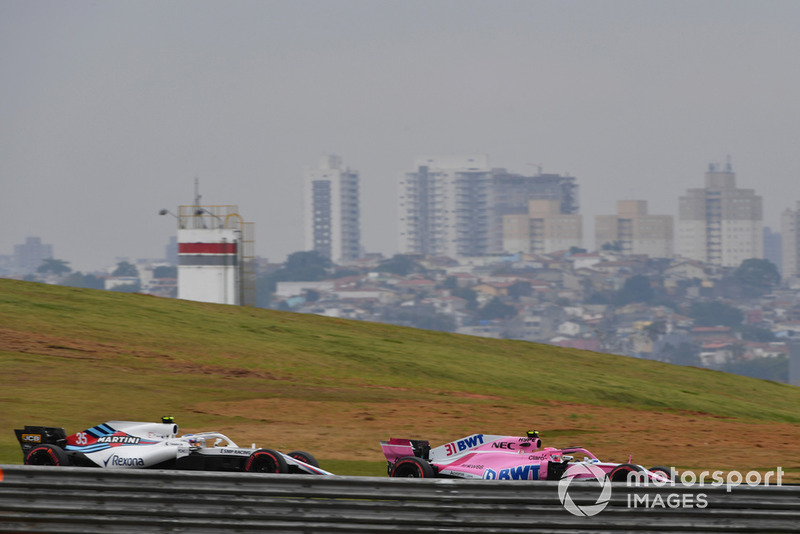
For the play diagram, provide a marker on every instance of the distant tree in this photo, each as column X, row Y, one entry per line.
column 656, row 329
column 343, row 273
column 305, row 266
column 312, row 296
column 520, row 288
column 755, row 333
column 598, row 298
column 54, row 266
column 401, row 264
column 164, row 271
column 683, row 354
column 577, row 250
column 636, row 289
column 419, row 317
column 125, row 269
column 451, row 282
column 715, row 313
column 470, row 295
column 265, row 287
column 496, row 309
column 87, row 281
column 127, row 288
column 757, row 276
column 776, row 369
column 613, row 245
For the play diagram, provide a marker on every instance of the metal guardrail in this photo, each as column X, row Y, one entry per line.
column 74, row 499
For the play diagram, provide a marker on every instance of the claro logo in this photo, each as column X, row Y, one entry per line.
column 119, row 461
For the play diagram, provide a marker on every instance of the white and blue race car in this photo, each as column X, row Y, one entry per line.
column 142, row 445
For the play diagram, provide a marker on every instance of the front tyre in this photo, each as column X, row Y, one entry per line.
column 411, row 467
column 626, row 472
column 47, row 455
column 304, row 457
column 266, row 461
column 666, row 472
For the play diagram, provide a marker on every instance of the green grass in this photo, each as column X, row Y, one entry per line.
column 90, row 356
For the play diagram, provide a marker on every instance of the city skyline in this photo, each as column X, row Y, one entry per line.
column 110, row 111
column 515, row 202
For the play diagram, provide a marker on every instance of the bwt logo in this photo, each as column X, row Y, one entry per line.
column 463, row 444
column 521, row 472
column 468, row 443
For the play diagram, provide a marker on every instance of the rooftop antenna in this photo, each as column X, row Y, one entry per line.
column 538, row 167
column 197, row 199
column 197, row 196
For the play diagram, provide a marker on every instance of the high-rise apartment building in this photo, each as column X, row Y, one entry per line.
column 456, row 205
column 720, row 224
column 633, row 231
column 790, row 241
column 543, row 229
column 332, row 211
column 29, row 256
column 773, row 247
column 511, row 194
column 444, row 206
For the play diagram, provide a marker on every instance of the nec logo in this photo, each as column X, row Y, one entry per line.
column 32, row 438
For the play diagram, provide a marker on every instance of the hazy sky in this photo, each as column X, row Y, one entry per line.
column 110, row 109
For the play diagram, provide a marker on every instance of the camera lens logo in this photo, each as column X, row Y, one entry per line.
column 584, row 471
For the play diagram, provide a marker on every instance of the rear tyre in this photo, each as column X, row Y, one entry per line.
column 666, row 472
column 47, row 455
column 266, row 461
column 304, row 457
column 411, row 467
column 626, row 472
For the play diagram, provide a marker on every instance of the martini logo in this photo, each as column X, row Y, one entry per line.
column 585, row 472
column 127, row 440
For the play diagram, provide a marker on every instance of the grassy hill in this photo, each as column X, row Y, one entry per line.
column 74, row 357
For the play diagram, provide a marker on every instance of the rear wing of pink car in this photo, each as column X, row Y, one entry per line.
column 397, row 448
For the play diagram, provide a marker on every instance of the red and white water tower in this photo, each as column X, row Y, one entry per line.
column 216, row 262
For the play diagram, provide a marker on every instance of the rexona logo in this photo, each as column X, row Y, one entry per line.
column 119, row 461
column 584, row 471
column 521, row 472
column 128, row 440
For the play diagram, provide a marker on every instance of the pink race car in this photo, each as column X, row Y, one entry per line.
column 504, row 458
